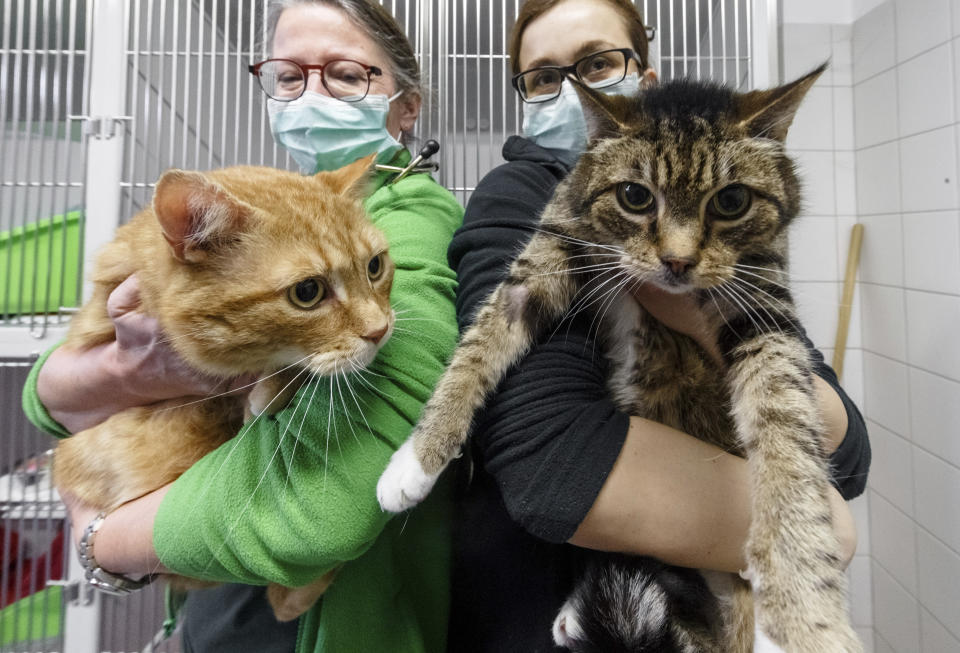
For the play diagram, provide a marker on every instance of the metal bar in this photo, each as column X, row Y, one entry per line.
column 174, row 87
column 225, row 86
column 713, row 53
column 490, row 83
column 723, row 36
column 699, row 38
column 187, row 60
column 198, row 91
column 683, row 27
column 476, row 123
column 736, row 41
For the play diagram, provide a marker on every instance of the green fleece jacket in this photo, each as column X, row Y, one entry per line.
column 293, row 496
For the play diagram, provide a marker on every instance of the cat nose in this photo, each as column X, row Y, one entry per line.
column 375, row 336
column 678, row 264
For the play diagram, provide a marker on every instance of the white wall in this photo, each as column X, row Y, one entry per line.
column 906, row 54
column 824, row 12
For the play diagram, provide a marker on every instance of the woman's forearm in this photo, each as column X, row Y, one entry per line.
column 687, row 502
column 124, row 543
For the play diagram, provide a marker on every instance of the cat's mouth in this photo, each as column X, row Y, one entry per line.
column 353, row 356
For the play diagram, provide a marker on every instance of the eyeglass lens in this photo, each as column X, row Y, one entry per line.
column 596, row 70
column 286, row 80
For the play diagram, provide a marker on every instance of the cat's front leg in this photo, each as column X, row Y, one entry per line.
column 792, row 552
column 537, row 292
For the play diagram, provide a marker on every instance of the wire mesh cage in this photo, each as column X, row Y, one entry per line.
column 186, row 100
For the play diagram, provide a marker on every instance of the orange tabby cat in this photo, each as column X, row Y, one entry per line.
column 247, row 270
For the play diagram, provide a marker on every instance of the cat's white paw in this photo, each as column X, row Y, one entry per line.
column 404, row 484
column 566, row 628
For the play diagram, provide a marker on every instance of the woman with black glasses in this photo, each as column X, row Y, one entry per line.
column 342, row 83
column 556, row 466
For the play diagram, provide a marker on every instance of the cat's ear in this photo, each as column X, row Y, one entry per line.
column 352, row 179
column 606, row 115
column 195, row 214
column 769, row 113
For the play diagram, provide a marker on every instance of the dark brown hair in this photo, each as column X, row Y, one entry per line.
column 533, row 9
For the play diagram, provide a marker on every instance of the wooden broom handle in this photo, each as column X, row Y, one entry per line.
column 846, row 303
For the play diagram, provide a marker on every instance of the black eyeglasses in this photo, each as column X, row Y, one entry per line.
column 286, row 80
column 595, row 70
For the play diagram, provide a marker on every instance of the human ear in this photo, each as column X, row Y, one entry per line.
column 409, row 109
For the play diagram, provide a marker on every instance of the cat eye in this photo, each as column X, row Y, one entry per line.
column 375, row 267
column 307, row 293
column 635, row 198
column 731, row 202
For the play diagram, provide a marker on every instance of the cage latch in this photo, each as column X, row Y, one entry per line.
column 101, row 127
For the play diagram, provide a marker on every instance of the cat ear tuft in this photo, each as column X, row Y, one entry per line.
column 352, row 179
column 196, row 214
column 769, row 113
column 606, row 115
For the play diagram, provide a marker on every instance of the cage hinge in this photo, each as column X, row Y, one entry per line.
column 101, row 127
column 75, row 592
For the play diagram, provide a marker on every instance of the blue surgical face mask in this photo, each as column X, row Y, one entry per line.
column 323, row 133
column 559, row 125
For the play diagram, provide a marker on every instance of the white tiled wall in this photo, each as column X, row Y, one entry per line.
column 822, row 140
column 906, row 105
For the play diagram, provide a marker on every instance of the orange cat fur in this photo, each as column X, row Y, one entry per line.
column 247, row 270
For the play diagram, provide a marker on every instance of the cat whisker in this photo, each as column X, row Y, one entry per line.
column 723, row 289
column 612, row 295
column 243, row 387
column 720, row 313
column 253, row 493
column 296, row 441
column 357, row 403
column 794, row 291
column 343, row 404
column 598, row 267
column 578, row 241
column 751, row 305
column 581, row 304
column 787, row 307
column 422, row 319
column 245, row 429
column 739, row 266
column 772, row 282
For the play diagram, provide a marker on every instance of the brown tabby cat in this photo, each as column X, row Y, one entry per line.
column 248, row 270
column 687, row 187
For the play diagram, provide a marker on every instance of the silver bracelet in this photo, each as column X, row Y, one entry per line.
column 96, row 575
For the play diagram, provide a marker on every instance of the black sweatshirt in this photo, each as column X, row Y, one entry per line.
column 547, row 439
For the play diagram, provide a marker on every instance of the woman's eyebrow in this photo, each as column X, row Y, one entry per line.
column 590, row 47
column 585, row 49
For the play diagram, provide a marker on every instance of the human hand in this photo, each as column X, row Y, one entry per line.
column 680, row 313
column 145, row 359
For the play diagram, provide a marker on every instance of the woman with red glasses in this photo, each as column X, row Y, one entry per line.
column 341, row 83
